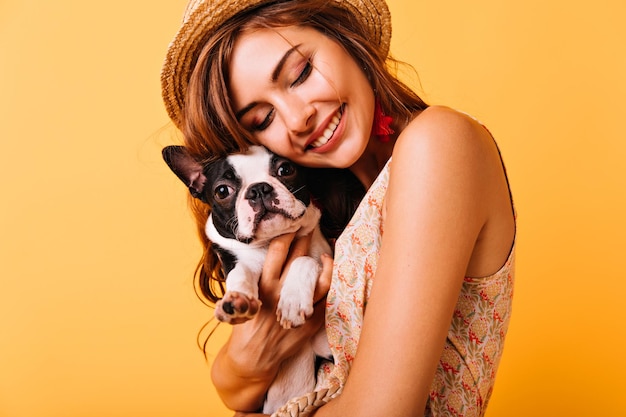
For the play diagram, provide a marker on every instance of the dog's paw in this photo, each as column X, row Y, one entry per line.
column 235, row 308
column 293, row 312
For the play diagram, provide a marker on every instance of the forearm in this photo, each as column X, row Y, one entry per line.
column 240, row 385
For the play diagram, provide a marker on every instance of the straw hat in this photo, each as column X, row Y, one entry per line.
column 202, row 17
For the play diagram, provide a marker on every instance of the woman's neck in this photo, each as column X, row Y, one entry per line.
column 376, row 155
column 373, row 160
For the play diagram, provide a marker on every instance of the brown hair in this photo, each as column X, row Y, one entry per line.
column 211, row 129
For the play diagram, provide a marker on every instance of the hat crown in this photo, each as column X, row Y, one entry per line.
column 191, row 6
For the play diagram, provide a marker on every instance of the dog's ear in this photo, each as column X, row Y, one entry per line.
column 186, row 168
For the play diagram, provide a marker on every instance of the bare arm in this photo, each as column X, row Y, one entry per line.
column 247, row 364
column 440, row 199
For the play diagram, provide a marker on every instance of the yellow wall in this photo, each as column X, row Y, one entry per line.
column 97, row 311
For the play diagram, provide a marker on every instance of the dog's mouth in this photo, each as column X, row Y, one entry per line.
column 268, row 223
column 268, row 213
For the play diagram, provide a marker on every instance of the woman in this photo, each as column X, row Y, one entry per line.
column 429, row 252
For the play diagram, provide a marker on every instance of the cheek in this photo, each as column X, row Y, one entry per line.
column 275, row 139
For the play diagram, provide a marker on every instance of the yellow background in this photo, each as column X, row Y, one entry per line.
column 97, row 311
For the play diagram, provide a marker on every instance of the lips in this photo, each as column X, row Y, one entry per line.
column 329, row 131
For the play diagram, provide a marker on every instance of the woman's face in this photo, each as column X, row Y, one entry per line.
column 301, row 95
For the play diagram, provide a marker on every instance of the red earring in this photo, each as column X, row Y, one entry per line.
column 381, row 128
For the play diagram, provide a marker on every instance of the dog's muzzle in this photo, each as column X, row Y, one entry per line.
column 262, row 197
column 267, row 209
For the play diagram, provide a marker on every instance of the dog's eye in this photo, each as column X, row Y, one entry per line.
column 285, row 169
column 222, row 191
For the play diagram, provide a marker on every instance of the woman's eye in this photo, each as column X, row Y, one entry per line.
column 222, row 192
column 304, row 74
column 265, row 123
column 285, row 169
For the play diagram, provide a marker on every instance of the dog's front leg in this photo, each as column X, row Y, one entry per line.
column 241, row 300
column 296, row 296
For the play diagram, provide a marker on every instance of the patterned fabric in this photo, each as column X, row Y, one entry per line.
column 467, row 368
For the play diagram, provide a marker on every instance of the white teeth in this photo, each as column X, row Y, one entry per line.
column 319, row 143
column 328, row 132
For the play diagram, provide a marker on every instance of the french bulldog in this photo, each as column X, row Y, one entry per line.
column 254, row 197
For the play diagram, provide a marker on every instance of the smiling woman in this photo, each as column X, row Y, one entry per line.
column 292, row 92
column 98, row 316
column 310, row 81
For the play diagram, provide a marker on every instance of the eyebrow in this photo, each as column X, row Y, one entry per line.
column 275, row 74
column 281, row 63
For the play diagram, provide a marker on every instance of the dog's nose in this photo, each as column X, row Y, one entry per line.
column 258, row 191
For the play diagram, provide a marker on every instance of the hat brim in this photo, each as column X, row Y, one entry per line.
column 201, row 19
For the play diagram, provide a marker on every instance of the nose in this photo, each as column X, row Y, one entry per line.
column 260, row 195
column 298, row 117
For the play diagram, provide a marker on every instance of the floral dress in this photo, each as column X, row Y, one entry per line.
column 466, row 373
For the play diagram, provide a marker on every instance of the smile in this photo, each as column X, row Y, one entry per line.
column 328, row 132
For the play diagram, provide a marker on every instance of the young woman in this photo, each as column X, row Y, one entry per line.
column 422, row 277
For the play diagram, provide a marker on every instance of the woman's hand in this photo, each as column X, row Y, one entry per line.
column 248, row 363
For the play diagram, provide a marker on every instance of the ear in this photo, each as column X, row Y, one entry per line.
column 186, row 168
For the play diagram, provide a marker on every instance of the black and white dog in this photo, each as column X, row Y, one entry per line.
column 255, row 197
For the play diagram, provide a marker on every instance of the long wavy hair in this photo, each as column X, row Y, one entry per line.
column 211, row 130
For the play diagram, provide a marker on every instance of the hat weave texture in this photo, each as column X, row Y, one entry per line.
column 203, row 17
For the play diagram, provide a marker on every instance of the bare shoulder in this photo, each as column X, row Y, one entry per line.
column 453, row 160
column 442, row 139
column 446, row 127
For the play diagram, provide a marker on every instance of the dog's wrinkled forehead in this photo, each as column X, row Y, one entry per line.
column 249, row 165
